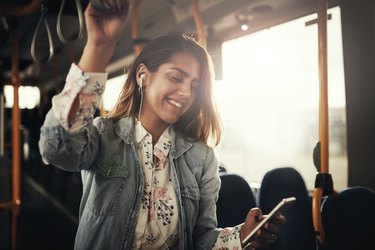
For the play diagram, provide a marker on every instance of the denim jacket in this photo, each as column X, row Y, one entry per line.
column 104, row 152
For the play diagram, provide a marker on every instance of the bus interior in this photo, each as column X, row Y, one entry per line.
column 270, row 59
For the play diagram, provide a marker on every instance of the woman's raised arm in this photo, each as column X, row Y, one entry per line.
column 103, row 32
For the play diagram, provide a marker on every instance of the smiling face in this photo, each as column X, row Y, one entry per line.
column 177, row 76
column 169, row 91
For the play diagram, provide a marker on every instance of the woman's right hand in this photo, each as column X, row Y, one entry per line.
column 104, row 30
column 264, row 236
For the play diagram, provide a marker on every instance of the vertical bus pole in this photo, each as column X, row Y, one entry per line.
column 323, row 182
column 2, row 132
column 134, row 27
column 16, row 155
column 199, row 23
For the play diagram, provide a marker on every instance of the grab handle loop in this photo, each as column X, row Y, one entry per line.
column 42, row 19
column 80, row 20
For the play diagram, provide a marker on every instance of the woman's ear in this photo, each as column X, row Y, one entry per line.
column 141, row 74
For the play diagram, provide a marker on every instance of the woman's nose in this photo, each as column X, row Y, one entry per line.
column 184, row 90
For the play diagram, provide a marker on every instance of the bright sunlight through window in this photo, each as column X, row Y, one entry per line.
column 112, row 90
column 29, row 96
column 269, row 99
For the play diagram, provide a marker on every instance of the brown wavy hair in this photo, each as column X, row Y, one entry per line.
column 201, row 122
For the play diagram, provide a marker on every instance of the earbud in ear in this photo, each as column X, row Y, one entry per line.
column 141, row 81
column 141, row 84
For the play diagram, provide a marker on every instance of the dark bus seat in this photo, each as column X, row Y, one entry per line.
column 235, row 200
column 349, row 220
column 298, row 232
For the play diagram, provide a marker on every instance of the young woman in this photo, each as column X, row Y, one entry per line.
column 150, row 180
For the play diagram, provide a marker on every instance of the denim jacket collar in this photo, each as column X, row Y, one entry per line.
column 124, row 128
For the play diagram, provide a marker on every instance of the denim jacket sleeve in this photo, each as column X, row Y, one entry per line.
column 206, row 231
column 70, row 151
column 73, row 147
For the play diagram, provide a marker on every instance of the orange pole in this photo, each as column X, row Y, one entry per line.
column 323, row 79
column 15, row 202
column 323, row 116
column 14, row 10
column 317, row 215
column 198, row 23
column 16, row 145
column 134, row 27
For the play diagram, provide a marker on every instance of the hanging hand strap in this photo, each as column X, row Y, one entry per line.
column 80, row 20
column 43, row 20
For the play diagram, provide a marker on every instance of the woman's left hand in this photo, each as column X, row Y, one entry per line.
column 267, row 234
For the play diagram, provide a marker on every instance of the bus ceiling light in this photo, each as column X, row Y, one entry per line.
column 247, row 15
column 244, row 18
column 244, row 27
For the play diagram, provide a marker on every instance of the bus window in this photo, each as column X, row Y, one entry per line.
column 269, row 98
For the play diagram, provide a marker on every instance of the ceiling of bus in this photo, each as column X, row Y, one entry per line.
column 222, row 20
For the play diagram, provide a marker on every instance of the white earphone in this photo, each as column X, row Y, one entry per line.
column 140, row 90
column 142, row 78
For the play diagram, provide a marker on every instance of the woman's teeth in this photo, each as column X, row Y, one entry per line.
column 175, row 103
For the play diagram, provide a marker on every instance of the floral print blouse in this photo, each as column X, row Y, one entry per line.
column 157, row 225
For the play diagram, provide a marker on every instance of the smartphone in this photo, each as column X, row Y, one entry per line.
column 279, row 207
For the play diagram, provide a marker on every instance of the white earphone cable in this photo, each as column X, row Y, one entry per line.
column 140, row 90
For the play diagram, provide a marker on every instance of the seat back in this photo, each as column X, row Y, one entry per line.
column 298, row 232
column 235, row 200
column 349, row 220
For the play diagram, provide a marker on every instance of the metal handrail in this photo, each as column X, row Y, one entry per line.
column 134, row 27
column 15, row 202
column 33, row 6
column 16, row 139
column 2, row 134
column 199, row 23
column 322, row 187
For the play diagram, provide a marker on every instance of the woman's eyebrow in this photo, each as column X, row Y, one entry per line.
column 181, row 71
column 184, row 73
